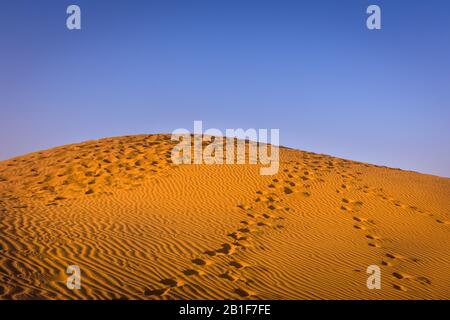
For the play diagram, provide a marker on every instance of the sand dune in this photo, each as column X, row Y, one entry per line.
column 140, row 227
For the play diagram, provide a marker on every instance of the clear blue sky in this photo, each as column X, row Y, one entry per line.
column 310, row 68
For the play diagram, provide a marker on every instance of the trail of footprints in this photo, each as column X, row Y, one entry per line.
column 368, row 228
column 350, row 180
column 295, row 179
column 86, row 169
column 378, row 192
column 228, row 257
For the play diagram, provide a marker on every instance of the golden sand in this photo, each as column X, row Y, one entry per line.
column 140, row 227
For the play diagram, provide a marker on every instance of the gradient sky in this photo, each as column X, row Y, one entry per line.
column 310, row 68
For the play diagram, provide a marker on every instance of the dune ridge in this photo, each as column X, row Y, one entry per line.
column 141, row 227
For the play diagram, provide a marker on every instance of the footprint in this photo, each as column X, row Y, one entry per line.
column 192, row 272
column 287, row 190
column 393, row 256
column 422, row 280
column 227, row 249
column 245, row 230
column 239, row 264
column 400, row 205
column 237, row 236
column 399, row 287
column 201, row 262
column 363, row 220
column 157, row 292
column 291, row 183
column 355, row 205
column 229, row 276
column 386, row 263
column 400, row 257
column 245, row 207
column 401, row 276
column 172, row 282
column 263, row 224
column 243, row 293
column 210, row 253
column 277, row 207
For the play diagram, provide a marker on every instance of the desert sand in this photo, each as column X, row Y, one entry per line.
column 140, row 227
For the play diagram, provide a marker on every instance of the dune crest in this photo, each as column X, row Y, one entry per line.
column 140, row 227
